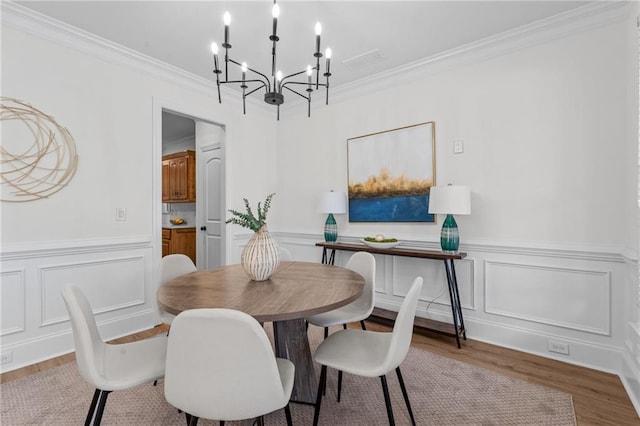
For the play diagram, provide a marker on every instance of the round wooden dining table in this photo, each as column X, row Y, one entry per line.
column 296, row 290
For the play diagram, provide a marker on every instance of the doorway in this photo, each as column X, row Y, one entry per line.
column 203, row 217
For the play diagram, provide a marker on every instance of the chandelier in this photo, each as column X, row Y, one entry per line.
column 276, row 83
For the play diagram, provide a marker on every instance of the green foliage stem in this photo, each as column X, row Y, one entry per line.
column 248, row 219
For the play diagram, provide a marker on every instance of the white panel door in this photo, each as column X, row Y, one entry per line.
column 210, row 195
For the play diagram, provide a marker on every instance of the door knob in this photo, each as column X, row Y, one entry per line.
column 203, row 228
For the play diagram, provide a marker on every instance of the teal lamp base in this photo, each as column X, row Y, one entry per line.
column 449, row 237
column 331, row 229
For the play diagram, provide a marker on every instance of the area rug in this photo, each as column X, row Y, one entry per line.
column 442, row 392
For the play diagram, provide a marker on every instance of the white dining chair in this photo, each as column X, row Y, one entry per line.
column 172, row 266
column 365, row 264
column 371, row 354
column 109, row 367
column 221, row 366
column 285, row 254
column 357, row 311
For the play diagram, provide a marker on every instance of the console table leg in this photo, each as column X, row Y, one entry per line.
column 455, row 299
column 457, row 296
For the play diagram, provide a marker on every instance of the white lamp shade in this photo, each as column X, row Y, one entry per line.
column 450, row 199
column 333, row 202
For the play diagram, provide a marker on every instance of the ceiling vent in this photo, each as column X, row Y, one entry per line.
column 364, row 59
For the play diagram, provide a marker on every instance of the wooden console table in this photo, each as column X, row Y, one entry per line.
column 457, row 328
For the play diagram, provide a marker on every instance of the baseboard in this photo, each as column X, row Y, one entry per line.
column 28, row 352
column 629, row 377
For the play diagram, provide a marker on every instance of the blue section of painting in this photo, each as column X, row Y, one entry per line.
column 408, row 208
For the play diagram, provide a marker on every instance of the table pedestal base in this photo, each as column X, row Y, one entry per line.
column 292, row 343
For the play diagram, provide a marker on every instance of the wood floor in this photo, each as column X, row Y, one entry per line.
column 599, row 398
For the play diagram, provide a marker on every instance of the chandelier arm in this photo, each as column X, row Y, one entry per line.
column 291, row 90
column 257, row 88
column 266, row 79
column 293, row 75
column 243, row 81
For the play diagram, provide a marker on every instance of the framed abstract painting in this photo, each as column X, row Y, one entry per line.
column 390, row 174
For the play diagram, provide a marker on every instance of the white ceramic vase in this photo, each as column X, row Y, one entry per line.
column 261, row 256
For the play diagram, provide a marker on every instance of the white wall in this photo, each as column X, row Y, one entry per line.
column 552, row 238
column 544, row 135
column 105, row 96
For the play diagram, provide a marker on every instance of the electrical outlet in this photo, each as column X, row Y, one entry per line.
column 558, row 347
column 6, row 358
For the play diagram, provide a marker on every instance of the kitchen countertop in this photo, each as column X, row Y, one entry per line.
column 171, row 226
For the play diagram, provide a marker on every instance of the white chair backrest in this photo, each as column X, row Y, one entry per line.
column 403, row 327
column 220, row 365
column 174, row 265
column 285, row 254
column 364, row 263
column 90, row 348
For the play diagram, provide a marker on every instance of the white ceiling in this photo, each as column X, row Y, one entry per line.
column 389, row 34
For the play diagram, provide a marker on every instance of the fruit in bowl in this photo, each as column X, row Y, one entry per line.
column 379, row 241
column 177, row 221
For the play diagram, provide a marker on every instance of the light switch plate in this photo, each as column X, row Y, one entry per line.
column 458, row 146
column 121, row 213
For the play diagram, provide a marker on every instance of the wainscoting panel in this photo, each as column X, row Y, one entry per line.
column 12, row 302
column 117, row 277
column 110, row 284
column 578, row 299
column 435, row 289
column 516, row 296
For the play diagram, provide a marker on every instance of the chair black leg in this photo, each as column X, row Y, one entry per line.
column 92, row 407
column 405, row 395
column 362, row 325
column 339, row 384
column 326, row 334
column 221, row 422
column 193, row 420
column 100, row 410
column 344, row 326
column 321, row 385
column 387, row 400
column 287, row 412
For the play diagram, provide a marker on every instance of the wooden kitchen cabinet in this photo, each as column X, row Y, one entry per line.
column 179, row 241
column 179, row 177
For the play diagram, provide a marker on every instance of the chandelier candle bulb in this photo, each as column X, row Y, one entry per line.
column 244, row 72
column 318, row 32
column 214, row 50
column 327, row 53
column 275, row 12
column 227, row 22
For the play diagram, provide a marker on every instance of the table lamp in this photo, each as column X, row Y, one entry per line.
column 333, row 203
column 450, row 200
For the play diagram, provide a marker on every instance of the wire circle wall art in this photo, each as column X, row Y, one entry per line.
column 37, row 155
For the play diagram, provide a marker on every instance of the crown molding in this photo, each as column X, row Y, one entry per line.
column 590, row 16
column 26, row 20
column 583, row 18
